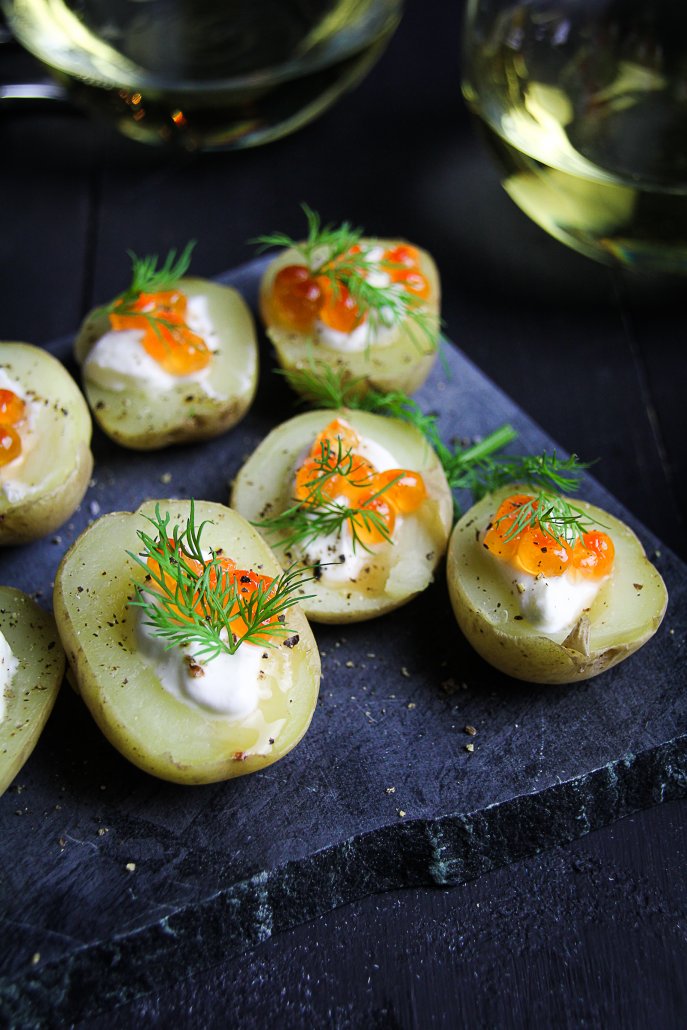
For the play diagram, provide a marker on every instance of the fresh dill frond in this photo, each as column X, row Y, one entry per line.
column 190, row 606
column 553, row 515
column 336, row 253
column 146, row 277
column 323, row 243
column 540, row 471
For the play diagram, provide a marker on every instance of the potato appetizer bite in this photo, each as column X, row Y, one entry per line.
column 45, row 436
column 183, row 640
column 548, row 590
column 361, row 498
column 365, row 307
column 31, row 671
column 170, row 360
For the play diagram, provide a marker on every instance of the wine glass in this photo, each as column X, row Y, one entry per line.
column 206, row 74
column 584, row 106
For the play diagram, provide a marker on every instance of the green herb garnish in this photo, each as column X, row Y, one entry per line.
column 185, row 606
column 146, row 277
column 326, row 251
column 478, row 467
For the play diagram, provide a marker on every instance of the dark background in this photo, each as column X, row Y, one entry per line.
column 592, row 934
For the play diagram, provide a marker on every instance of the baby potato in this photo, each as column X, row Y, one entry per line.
column 402, row 361
column 626, row 612
column 161, row 733
column 393, row 573
column 140, row 415
column 30, row 695
column 45, row 483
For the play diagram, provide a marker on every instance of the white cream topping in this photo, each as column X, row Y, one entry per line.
column 551, row 604
column 230, row 685
column 9, row 664
column 118, row 360
column 11, row 482
column 339, row 558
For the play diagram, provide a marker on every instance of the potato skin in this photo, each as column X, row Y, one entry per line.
column 625, row 615
column 32, row 635
column 157, row 732
column 403, row 364
column 143, row 420
column 61, row 469
column 263, row 488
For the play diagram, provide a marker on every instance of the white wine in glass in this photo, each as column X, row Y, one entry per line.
column 205, row 74
column 584, row 106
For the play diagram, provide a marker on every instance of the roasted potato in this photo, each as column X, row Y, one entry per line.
column 395, row 572
column 29, row 696
column 44, row 485
column 157, row 731
column 144, row 417
column 626, row 613
column 401, row 362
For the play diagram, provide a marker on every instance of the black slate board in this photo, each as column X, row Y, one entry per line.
column 222, row 867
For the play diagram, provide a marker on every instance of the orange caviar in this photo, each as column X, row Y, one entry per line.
column 12, row 412
column 333, row 471
column 539, row 553
column 299, row 298
column 166, row 336
column 246, row 581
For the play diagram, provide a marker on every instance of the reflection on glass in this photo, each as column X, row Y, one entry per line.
column 584, row 104
column 205, row 73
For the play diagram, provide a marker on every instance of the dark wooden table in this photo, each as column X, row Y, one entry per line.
column 590, row 934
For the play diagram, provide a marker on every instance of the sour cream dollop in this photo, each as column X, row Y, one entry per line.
column 552, row 604
column 119, row 362
column 229, row 685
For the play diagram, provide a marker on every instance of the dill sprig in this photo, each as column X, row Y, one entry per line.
column 479, row 468
column 322, row 244
column 553, row 515
column 326, row 251
column 186, row 607
column 317, row 515
column 146, row 277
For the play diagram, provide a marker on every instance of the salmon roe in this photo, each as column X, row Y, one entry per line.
column 166, row 336
column 299, row 298
column 539, row 553
column 334, row 471
column 12, row 412
column 245, row 581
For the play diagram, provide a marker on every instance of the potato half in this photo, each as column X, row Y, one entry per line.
column 43, row 487
column 146, row 419
column 155, row 730
column 32, row 636
column 626, row 612
column 402, row 363
column 395, row 573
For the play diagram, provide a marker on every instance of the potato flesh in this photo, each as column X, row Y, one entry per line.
column 264, row 486
column 32, row 636
column 402, row 364
column 158, row 732
column 146, row 419
column 626, row 612
column 58, row 467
